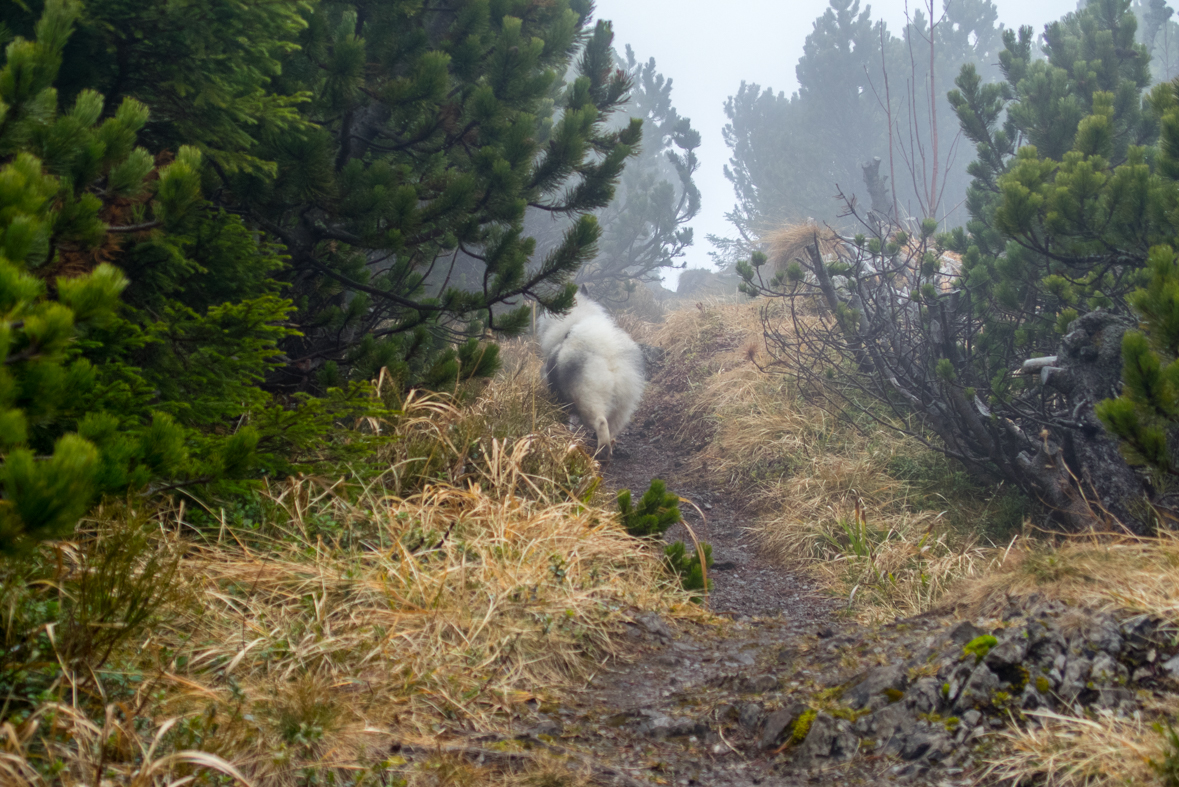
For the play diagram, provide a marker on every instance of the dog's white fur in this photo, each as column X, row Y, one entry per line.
column 592, row 364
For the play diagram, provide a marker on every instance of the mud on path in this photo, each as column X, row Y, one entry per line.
column 710, row 703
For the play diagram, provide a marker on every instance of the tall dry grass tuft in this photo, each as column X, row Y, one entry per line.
column 884, row 523
column 1132, row 576
column 450, row 438
column 300, row 649
column 789, row 242
column 1055, row 750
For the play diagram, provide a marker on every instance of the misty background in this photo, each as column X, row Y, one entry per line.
column 708, row 54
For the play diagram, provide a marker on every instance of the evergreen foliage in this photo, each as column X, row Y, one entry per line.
column 57, row 451
column 1061, row 225
column 384, row 145
column 1072, row 188
column 431, row 132
column 1144, row 416
column 643, row 229
column 656, row 511
column 137, row 321
column 687, row 566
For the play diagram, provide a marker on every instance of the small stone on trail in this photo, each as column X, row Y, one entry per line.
column 779, row 722
column 829, row 739
column 548, row 727
column 872, row 688
column 759, row 684
column 654, row 625
column 750, row 715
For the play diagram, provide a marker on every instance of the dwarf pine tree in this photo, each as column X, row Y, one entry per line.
column 49, row 162
column 432, row 131
column 1145, row 415
column 383, row 145
column 137, row 321
column 686, row 565
column 643, row 229
column 1071, row 190
column 657, row 510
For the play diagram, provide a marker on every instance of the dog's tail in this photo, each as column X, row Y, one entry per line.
column 602, row 430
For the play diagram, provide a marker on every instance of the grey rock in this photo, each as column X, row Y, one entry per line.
column 965, row 631
column 550, row 727
column 957, row 678
column 970, row 718
column 1171, row 665
column 1030, row 698
column 654, row 625
column 759, row 684
column 652, row 355
column 1105, row 670
column 864, row 726
column 874, row 685
column 892, row 726
column 931, row 746
column 829, row 740
column 778, row 723
column 749, row 715
column 1114, row 697
column 1076, row 675
column 660, row 726
column 925, row 696
column 1046, row 646
column 1104, row 634
column 978, row 689
column 1012, row 650
column 919, row 658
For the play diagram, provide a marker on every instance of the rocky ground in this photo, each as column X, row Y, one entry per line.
column 780, row 689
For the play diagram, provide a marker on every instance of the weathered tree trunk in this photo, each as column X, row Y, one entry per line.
column 1079, row 466
column 877, row 189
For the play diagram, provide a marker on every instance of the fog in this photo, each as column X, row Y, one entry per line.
column 708, row 48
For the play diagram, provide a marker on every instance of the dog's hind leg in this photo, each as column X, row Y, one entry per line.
column 602, row 430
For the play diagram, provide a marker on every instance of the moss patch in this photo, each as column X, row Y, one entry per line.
column 802, row 726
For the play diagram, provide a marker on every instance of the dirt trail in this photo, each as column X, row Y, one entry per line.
column 710, row 703
column 746, row 584
column 684, row 710
column 778, row 688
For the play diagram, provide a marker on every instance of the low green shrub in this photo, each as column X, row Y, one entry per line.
column 686, row 565
column 656, row 511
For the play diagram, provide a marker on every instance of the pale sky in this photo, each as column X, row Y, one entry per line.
column 708, row 47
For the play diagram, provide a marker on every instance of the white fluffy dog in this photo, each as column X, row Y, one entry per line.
column 592, row 364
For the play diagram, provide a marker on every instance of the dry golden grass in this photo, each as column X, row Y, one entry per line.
column 788, row 242
column 1075, row 751
column 346, row 622
column 1127, row 575
column 822, row 491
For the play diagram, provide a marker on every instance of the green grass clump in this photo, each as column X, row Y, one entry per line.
column 1168, row 767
